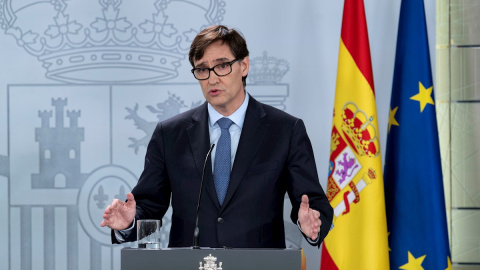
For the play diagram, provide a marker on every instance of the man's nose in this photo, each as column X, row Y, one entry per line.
column 213, row 79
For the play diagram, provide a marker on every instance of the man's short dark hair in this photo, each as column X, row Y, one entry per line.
column 215, row 33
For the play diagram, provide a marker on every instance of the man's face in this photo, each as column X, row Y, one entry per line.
column 225, row 93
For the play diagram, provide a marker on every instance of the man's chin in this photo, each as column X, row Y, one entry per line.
column 216, row 101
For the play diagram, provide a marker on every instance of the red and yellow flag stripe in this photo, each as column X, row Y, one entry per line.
column 358, row 238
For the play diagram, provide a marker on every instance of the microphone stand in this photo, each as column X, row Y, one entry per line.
column 196, row 232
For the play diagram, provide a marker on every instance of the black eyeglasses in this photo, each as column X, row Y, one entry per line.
column 220, row 70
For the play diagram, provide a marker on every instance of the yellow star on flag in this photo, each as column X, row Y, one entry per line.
column 391, row 118
column 424, row 96
column 413, row 263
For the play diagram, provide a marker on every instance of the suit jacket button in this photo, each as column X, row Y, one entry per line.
column 220, row 220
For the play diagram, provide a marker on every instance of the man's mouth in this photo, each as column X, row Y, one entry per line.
column 214, row 92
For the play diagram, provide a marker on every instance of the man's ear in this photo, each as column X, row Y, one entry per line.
column 245, row 65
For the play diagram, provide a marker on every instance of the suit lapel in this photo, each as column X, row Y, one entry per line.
column 199, row 137
column 254, row 129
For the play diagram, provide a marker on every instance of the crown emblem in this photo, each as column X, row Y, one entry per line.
column 267, row 69
column 129, row 41
column 361, row 133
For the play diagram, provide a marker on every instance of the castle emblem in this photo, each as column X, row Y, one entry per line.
column 59, row 149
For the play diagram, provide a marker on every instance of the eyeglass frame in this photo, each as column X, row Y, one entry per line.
column 213, row 69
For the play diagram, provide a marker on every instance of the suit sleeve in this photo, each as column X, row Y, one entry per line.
column 152, row 192
column 303, row 179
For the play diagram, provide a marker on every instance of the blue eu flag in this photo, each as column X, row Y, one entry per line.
column 415, row 204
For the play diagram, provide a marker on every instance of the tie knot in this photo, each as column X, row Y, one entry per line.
column 224, row 123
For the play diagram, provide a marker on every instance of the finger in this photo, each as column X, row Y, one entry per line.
column 107, row 210
column 112, row 208
column 130, row 197
column 315, row 230
column 108, row 213
column 304, row 203
column 105, row 221
column 305, row 199
column 115, row 204
column 315, row 220
column 130, row 201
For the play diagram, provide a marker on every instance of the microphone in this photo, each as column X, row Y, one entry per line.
column 196, row 232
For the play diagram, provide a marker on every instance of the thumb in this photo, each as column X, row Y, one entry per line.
column 305, row 203
column 130, row 199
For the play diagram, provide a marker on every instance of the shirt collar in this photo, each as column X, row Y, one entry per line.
column 238, row 117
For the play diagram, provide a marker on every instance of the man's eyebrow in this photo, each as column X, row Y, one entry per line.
column 219, row 61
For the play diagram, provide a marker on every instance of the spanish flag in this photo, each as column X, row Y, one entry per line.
column 358, row 237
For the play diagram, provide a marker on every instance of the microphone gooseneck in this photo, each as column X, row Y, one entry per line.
column 196, row 232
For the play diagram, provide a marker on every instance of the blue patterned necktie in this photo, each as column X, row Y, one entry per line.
column 223, row 161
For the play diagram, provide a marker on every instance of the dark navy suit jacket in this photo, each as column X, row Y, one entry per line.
column 274, row 156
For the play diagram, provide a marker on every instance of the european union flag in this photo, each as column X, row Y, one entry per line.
column 415, row 204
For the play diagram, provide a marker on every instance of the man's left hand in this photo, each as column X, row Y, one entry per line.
column 309, row 219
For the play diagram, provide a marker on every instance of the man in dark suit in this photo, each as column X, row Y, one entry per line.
column 261, row 153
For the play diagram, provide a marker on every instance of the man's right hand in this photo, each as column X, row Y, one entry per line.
column 119, row 215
